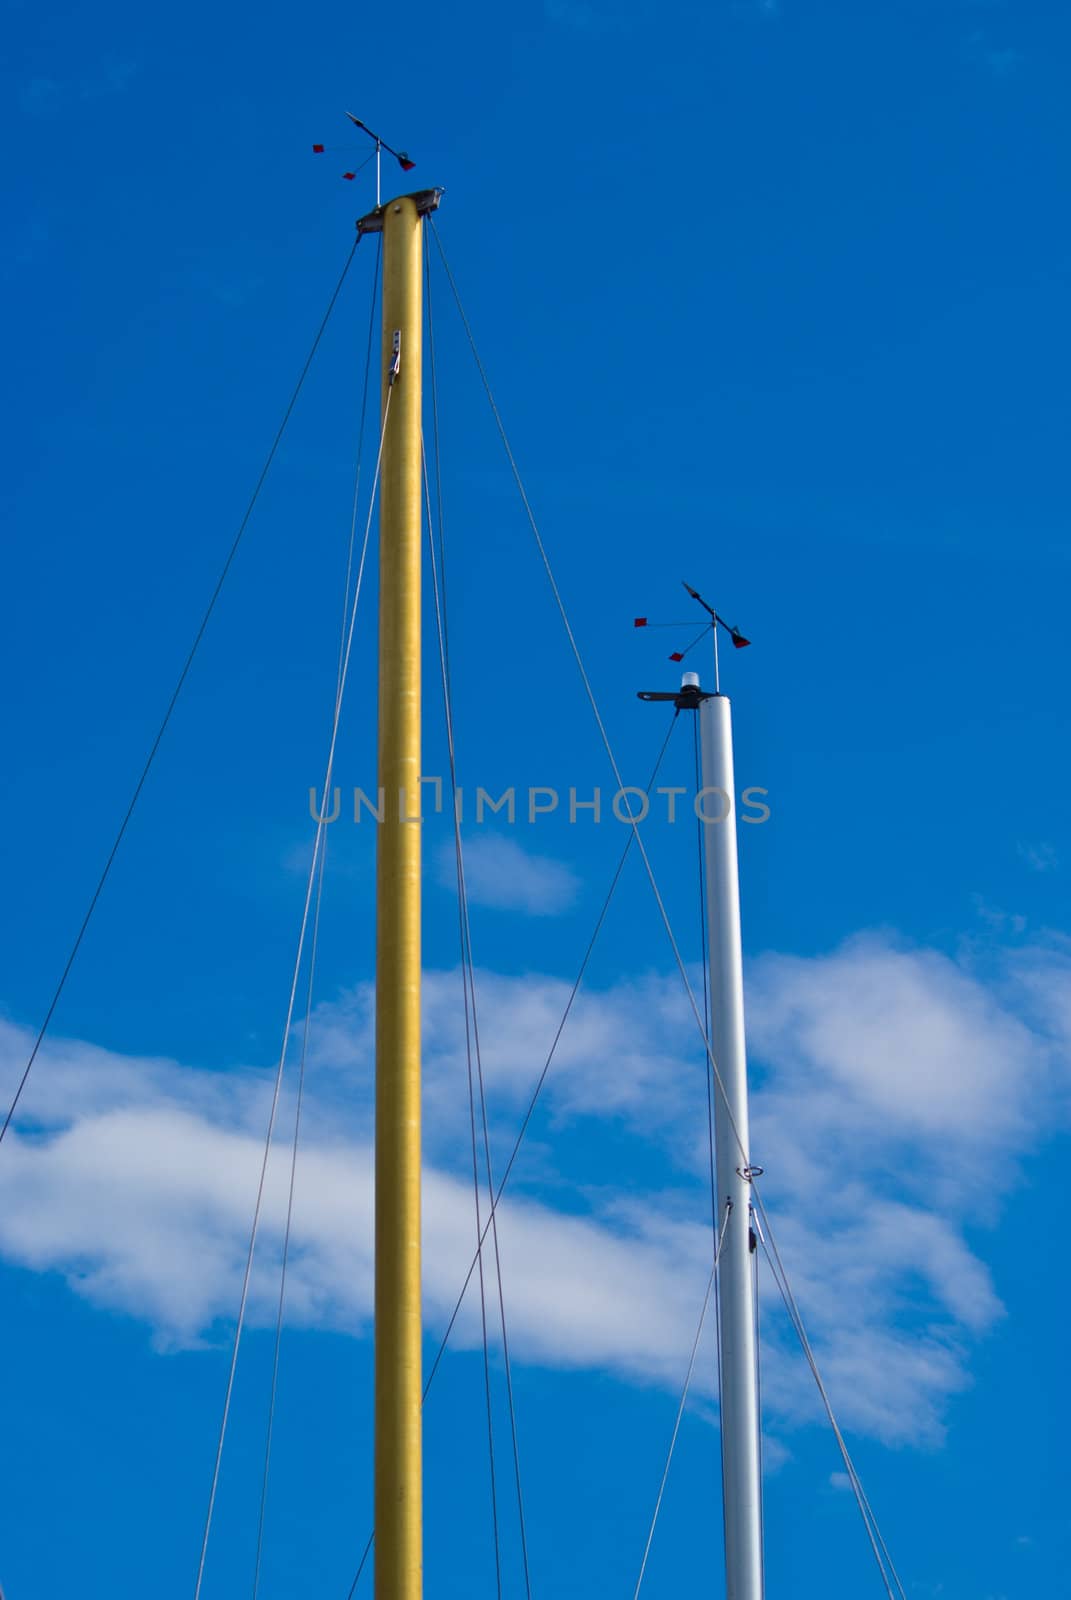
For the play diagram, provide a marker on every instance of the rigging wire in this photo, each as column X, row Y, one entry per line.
column 318, row 845
column 529, row 1112
column 360, row 449
column 756, row 1308
column 507, row 1363
column 631, row 818
column 711, row 1282
column 467, row 985
column 187, row 664
column 541, row 1080
column 366, row 1552
column 343, row 631
column 473, row 1049
column 270, row 1430
column 877, row 1543
column 439, row 575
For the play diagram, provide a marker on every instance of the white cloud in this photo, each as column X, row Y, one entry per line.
column 895, row 1092
column 996, row 919
column 901, row 1034
column 502, row 875
column 621, row 1055
column 1040, row 857
column 900, row 1093
column 145, row 1205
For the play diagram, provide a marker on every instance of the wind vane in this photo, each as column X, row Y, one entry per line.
column 739, row 641
column 401, row 156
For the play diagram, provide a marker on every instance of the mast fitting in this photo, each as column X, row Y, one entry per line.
column 688, row 697
column 425, row 200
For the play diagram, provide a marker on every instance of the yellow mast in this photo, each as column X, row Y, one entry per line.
column 398, row 1383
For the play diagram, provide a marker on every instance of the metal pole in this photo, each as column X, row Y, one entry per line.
column 398, row 1443
column 740, row 1422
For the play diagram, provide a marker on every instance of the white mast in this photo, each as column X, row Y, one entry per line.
column 740, row 1422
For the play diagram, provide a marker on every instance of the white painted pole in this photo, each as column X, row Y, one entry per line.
column 740, row 1422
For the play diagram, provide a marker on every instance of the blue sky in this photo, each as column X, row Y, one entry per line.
column 773, row 298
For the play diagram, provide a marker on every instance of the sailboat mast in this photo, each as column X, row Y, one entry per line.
column 398, row 1379
column 740, row 1420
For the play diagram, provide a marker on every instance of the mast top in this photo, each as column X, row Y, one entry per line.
column 425, row 200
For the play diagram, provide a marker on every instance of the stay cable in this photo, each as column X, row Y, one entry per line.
column 183, row 675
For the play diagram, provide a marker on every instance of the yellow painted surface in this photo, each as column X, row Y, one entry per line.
column 398, row 1443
